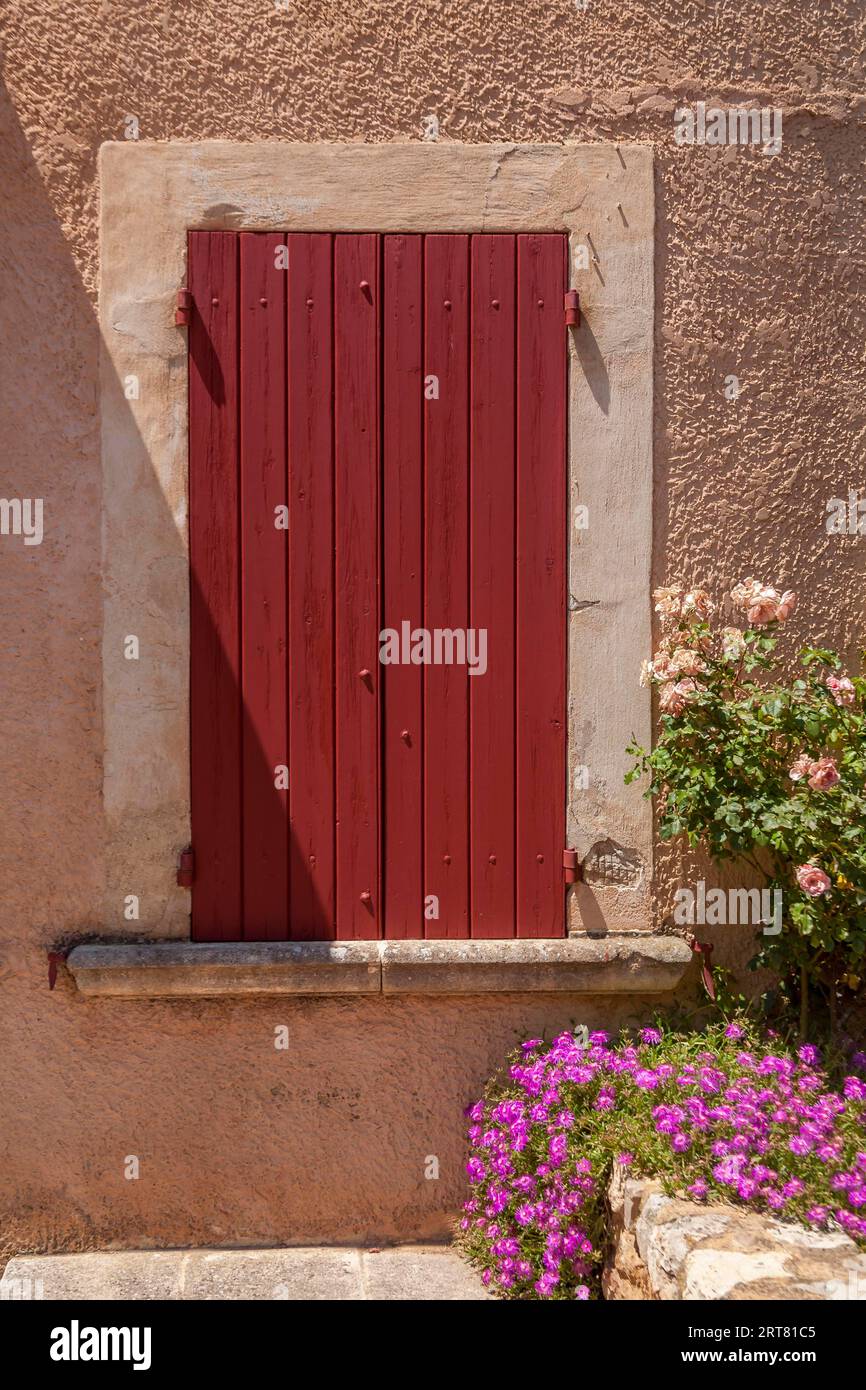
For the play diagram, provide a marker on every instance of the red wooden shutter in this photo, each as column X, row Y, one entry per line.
column 404, row 397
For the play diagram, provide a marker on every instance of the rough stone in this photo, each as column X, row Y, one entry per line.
column 576, row 965
column 668, row 1248
column 158, row 969
column 573, row 965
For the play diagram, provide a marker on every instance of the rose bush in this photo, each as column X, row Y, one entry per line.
column 723, row 1114
column 771, row 772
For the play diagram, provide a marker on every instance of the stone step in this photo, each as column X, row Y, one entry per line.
column 319, row 1273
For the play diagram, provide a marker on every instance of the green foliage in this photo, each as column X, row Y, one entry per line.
column 721, row 775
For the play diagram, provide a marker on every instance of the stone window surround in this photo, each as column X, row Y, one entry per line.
column 600, row 194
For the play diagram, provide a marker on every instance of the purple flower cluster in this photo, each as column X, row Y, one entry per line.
column 731, row 1121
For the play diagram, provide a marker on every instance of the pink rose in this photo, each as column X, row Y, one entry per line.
column 697, row 603
column 733, row 643
column 812, row 880
column 800, row 768
column 824, row 774
column 744, row 593
column 661, row 668
column 674, row 698
column 763, row 608
column 842, row 689
column 671, row 699
column 763, row 604
column 669, row 601
column 687, row 663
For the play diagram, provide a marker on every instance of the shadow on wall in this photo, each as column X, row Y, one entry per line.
column 239, row 1143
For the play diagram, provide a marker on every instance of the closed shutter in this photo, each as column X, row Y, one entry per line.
column 400, row 402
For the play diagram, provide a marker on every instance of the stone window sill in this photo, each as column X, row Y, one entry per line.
column 635, row 964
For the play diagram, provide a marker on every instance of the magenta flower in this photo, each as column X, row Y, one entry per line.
column 647, row 1080
column 749, row 1118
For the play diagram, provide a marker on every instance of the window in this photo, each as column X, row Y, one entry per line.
column 378, row 594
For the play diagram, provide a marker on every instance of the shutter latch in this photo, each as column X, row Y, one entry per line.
column 572, row 309
column 570, row 866
column 183, row 310
column 186, row 867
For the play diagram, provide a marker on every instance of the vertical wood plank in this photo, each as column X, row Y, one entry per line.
column 446, row 582
column 402, row 574
column 265, row 805
column 541, row 607
column 356, row 475
column 311, row 588
column 215, row 677
column 492, row 565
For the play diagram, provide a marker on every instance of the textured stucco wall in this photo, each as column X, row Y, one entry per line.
column 759, row 263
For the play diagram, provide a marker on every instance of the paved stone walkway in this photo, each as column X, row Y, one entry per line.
column 417, row 1272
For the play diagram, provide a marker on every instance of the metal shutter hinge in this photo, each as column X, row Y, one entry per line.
column 571, row 866
column 183, row 310
column 186, row 867
column 572, row 309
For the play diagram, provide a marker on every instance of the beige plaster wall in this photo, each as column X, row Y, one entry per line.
column 758, row 272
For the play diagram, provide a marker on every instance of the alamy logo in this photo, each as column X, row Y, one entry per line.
column 22, row 516
column 737, row 125
column 721, row 907
column 439, row 646
column 76, row 1343
column 846, row 517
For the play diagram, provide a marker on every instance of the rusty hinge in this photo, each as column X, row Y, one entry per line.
column 572, row 309
column 571, row 865
column 54, row 959
column 186, row 867
column 183, row 310
column 705, row 951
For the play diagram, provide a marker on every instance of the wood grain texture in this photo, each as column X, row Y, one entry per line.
column 491, row 599
column 541, row 608
column 446, row 581
column 265, row 805
column 402, row 577
column 215, row 674
column 311, row 588
column 356, row 472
